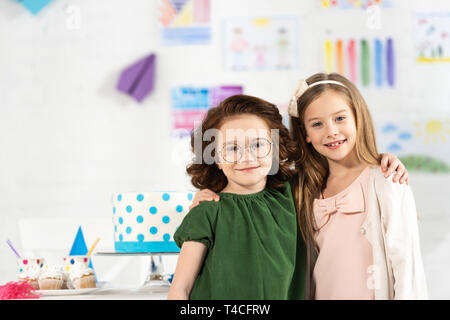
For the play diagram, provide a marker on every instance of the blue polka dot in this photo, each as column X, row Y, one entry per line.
column 166, row 219
column 166, row 196
column 166, row 237
column 129, row 209
column 72, row 261
column 120, row 237
column 114, row 209
column 140, row 237
column 189, row 196
column 153, row 210
column 128, row 230
column 153, row 230
column 115, row 228
column 139, row 219
column 119, row 197
column 20, row 270
column 121, row 220
column 179, row 208
column 140, row 197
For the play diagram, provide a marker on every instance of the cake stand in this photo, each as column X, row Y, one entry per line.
column 156, row 279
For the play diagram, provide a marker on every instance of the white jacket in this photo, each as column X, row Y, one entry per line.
column 391, row 228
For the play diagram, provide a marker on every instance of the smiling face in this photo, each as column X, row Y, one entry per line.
column 245, row 153
column 330, row 126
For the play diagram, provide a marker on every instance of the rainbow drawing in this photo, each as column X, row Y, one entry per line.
column 364, row 61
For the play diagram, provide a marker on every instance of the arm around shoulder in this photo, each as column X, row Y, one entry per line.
column 400, row 222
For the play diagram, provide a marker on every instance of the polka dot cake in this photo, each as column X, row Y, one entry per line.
column 146, row 221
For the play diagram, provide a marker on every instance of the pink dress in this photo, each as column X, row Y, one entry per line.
column 343, row 267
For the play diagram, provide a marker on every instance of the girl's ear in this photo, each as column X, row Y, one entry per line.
column 308, row 140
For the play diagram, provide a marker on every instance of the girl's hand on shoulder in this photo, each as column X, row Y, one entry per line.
column 204, row 195
column 389, row 164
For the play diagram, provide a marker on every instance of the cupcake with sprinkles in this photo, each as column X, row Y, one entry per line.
column 51, row 277
column 81, row 276
column 30, row 270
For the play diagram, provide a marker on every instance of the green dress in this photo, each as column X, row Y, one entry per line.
column 255, row 250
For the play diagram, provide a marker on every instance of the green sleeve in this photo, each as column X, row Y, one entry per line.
column 198, row 225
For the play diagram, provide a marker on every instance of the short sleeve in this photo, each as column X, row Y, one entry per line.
column 198, row 225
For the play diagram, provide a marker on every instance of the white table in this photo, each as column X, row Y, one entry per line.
column 113, row 294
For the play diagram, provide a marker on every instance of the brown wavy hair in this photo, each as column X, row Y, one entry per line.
column 206, row 174
column 312, row 166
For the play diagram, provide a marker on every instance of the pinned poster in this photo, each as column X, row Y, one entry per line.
column 34, row 6
column 421, row 144
column 363, row 61
column 354, row 4
column 432, row 37
column 185, row 22
column 260, row 44
column 190, row 105
column 218, row 94
column 138, row 79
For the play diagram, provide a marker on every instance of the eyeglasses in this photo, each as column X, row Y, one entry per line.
column 232, row 153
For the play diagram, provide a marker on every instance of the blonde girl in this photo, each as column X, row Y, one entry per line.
column 361, row 229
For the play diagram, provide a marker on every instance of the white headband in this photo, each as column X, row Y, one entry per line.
column 301, row 88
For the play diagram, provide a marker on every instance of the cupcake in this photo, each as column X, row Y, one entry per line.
column 81, row 276
column 30, row 270
column 51, row 278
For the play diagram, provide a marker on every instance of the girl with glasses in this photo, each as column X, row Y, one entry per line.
column 247, row 246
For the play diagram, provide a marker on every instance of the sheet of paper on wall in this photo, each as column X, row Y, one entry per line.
column 34, row 6
column 354, row 4
column 374, row 67
column 190, row 105
column 422, row 144
column 138, row 79
column 432, row 37
column 185, row 22
column 218, row 94
column 261, row 44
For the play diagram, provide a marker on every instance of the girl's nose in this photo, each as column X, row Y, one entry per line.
column 332, row 131
column 247, row 155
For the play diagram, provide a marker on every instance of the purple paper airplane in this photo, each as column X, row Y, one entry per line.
column 138, row 79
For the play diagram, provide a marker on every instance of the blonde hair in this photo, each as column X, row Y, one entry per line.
column 312, row 166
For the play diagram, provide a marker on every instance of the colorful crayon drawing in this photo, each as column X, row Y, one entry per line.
column 432, row 37
column 260, row 44
column 375, row 63
column 185, row 21
column 354, row 4
column 422, row 145
column 190, row 105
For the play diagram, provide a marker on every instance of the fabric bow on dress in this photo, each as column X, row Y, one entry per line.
column 349, row 201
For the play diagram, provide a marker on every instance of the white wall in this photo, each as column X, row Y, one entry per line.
column 69, row 140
